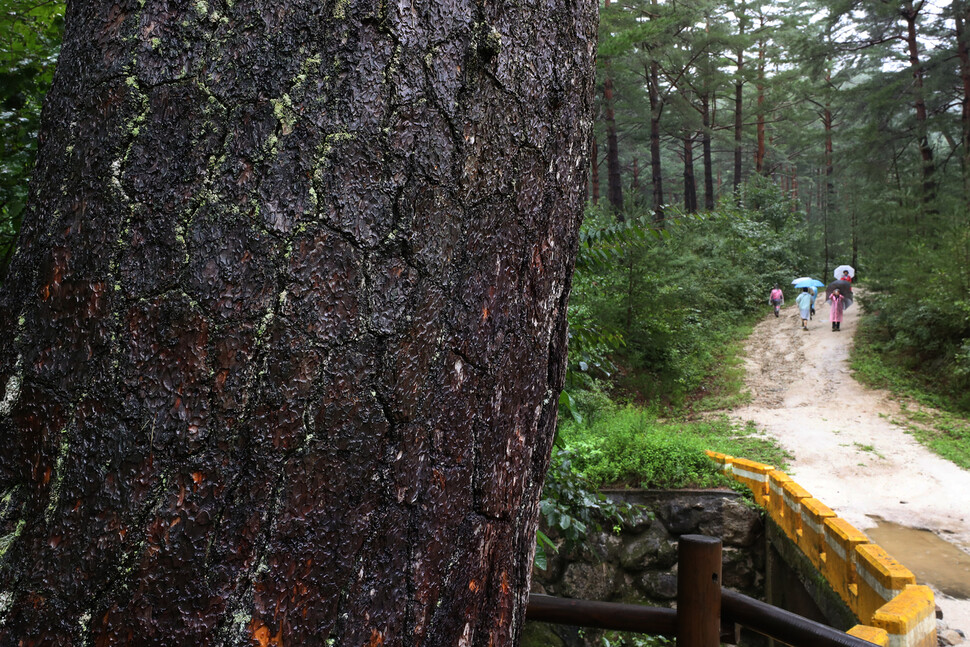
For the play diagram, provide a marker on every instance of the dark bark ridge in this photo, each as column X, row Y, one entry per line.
column 280, row 354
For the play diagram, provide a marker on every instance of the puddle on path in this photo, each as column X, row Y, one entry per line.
column 933, row 560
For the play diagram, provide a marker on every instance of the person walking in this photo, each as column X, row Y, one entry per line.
column 804, row 303
column 837, row 302
column 776, row 298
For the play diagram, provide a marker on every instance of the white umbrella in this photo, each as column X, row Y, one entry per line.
column 800, row 279
column 844, row 268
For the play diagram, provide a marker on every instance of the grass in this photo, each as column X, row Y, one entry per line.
column 617, row 445
column 724, row 386
column 933, row 417
column 631, row 447
column 867, row 448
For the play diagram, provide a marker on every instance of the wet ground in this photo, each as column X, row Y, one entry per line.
column 849, row 454
column 932, row 559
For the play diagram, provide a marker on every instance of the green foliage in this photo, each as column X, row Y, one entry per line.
column 632, row 447
column 920, row 317
column 671, row 303
column 572, row 507
column 31, row 35
column 628, row 639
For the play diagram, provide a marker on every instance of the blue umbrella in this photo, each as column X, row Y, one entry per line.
column 808, row 283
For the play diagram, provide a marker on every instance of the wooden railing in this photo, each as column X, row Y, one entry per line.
column 706, row 614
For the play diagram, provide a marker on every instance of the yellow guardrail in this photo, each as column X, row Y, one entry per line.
column 882, row 593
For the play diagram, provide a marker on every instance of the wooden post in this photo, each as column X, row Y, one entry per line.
column 698, row 591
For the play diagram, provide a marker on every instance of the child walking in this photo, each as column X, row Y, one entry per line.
column 776, row 298
column 804, row 303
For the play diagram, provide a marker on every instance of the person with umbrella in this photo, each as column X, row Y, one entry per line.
column 813, row 285
column 804, row 302
column 844, row 273
column 837, row 301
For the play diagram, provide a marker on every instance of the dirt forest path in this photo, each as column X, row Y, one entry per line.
column 847, row 452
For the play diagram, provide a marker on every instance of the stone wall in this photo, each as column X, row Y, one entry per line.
column 639, row 563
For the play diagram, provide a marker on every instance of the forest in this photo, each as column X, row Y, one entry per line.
column 793, row 135
column 734, row 144
column 854, row 117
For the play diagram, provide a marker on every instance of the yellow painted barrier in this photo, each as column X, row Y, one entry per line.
column 909, row 618
column 871, row 634
column 841, row 540
column 881, row 578
column 723, row 461
column 794, row 494
column 881, row 592
column 812, row 539
column 776, row 496
column 754, row 475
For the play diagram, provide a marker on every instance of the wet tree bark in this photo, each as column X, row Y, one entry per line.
column 282, row 344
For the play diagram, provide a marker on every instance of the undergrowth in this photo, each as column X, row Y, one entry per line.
column 625, row 446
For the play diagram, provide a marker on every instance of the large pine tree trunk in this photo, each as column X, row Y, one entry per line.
column 281, row 346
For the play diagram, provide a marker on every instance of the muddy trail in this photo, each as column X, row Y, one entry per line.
column 849, row 454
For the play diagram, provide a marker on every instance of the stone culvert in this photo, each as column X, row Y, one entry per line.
column 638, row 564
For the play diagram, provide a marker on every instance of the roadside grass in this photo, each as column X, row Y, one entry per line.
column 933, row 417
column 632, row 447
column 723, row 388
column 616, row 442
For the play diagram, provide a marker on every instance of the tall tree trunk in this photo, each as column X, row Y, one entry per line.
column 708, row 157
column 922, row 136
column 759, row 159
column 738, row 124
column 281, row 348
column 829, row 185
column 614, row 188
column 656, row 109
column 829, row 177
column 690, row 183
column 594, row 167
column 854, row 218
column 738, row 103
column 961, row 14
